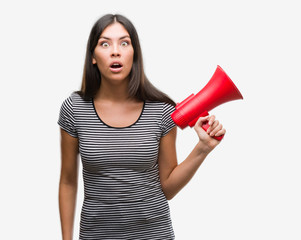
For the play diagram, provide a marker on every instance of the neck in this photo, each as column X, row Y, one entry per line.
column 117, row 92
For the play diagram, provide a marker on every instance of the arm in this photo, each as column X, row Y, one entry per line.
column 174, row 177
column 68, row 183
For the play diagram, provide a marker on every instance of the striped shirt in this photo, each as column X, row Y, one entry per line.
column 123, row 198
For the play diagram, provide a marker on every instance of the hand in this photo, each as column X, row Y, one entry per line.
column 207, row 142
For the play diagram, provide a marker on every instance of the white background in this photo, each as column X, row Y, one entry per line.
column 248, row 188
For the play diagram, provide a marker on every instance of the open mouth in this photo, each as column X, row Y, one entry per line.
column 116, row 65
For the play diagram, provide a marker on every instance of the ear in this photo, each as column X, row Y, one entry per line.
column 93, row 60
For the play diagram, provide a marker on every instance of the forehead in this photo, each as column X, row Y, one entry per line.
column 114, row 30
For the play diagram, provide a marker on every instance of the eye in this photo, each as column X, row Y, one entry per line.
column 104, row 44
column 124, row 43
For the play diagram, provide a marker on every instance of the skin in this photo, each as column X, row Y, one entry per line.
column 115, row 45
column 113, row 100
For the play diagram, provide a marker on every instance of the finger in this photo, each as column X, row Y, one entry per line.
column 201, row 121
column 216, row 129
column 212, row 126
column 211, row 120
column 221, row 132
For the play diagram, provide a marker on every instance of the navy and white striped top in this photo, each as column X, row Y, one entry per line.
column 123, row 198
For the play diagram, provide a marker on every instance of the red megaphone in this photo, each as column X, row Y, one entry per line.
column 219, row 89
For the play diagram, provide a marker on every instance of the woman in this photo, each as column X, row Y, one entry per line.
column 121, row 126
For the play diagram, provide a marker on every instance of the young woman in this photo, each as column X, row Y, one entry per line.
column 120, row 125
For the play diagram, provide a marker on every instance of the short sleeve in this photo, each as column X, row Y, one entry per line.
column 167, row 123
column 66, row 117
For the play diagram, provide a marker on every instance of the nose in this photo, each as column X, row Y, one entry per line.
column 115, row 51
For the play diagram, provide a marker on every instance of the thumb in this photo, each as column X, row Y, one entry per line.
column 201, row 121
column 198, row 127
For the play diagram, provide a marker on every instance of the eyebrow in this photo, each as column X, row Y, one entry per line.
column 126, row 36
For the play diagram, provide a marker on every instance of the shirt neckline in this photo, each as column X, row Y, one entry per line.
column 143, row 107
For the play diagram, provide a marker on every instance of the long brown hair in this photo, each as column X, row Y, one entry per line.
column 139, row 85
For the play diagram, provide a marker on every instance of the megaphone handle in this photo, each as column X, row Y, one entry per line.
column 205, row 126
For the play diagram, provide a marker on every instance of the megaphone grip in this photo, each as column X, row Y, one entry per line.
column 206, row 125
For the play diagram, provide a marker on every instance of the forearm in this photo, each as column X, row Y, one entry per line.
column 183, row 172
column 67, row 203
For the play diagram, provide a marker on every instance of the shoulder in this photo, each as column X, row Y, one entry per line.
column 162, row 110
column 73, row 99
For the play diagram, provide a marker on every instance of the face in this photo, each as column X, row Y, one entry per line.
column 114, row 53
